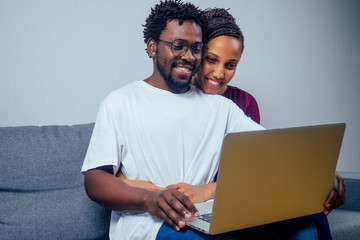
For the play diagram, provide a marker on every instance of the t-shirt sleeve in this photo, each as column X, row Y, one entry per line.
column 105, row 144
column 239, row 122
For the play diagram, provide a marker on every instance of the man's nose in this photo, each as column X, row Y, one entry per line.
column 188, row 56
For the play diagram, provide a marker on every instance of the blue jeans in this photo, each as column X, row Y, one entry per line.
column 322, row 226
column 293, row 229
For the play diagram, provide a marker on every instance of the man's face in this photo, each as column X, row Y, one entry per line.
column 177, row 71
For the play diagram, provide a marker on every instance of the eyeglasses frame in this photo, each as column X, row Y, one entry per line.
column 203, row 50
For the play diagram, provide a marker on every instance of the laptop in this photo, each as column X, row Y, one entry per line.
column 271, row 175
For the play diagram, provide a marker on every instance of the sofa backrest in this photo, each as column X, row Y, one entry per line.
column 42, row 194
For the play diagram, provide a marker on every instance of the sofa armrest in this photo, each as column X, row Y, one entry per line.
column 345, row 221
column 352, row 182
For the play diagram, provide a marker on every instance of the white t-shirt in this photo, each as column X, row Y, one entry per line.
column 165, row 138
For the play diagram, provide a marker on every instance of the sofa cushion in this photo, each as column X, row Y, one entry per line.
column 352, row 182
column 345, row 221
column 344, row 224
column 41, row 188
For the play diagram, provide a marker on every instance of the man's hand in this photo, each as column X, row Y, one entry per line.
column 140, row 183
column 111, row 192
column 337, row 195
column 196, row 194
column 172, row 206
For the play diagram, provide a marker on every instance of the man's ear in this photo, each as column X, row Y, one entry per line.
column 151, row 48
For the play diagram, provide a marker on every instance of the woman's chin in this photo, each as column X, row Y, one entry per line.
column 211, row 91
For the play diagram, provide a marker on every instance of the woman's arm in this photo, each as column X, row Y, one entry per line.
column 196, row 194
column 140, row 183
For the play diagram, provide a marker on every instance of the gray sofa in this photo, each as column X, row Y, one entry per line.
column 42, row 194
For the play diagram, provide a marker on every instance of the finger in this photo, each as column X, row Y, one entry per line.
column 327, row 211
column 330, row 202
column 158, row 206
column 339, row 189
column 169, row 221
column 331, row 199
column 342, row 188
column 168, row 213
column 334, row 191
column 173, row 186
column 334, row 199
column 187, row 203
column 173, row 208
column 173, row 214
column 338, row 202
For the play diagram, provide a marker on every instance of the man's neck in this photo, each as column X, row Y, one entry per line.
column 159, row 82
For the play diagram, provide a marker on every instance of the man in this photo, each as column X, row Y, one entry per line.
column 161, row 130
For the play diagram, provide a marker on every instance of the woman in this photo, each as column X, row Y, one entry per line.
column 225, row 43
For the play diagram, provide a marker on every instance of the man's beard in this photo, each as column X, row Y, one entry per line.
column 177, row 86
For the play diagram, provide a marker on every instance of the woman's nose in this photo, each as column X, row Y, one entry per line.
column 219, row 72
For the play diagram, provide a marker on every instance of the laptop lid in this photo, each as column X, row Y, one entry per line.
column 272, row 175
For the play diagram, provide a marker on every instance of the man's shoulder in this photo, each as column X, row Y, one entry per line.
column 123, row 91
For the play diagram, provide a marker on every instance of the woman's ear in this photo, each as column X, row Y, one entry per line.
column 151, row 48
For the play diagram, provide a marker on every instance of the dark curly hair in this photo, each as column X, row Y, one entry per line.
column 219, row 22
column 169, row 10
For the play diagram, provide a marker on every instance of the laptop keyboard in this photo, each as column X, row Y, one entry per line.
column 206, row 217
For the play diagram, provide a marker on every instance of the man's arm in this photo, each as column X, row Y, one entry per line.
column 111, row 192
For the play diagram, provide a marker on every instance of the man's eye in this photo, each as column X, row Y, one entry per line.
column 197, row 50
column 178, row 47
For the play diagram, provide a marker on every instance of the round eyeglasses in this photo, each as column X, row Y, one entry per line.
column 179, row 47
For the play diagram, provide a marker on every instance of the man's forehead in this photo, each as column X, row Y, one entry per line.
column 188, row 29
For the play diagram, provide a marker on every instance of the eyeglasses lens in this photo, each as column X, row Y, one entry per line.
column 179, row 48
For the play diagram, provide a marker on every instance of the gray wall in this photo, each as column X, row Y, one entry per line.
column 60, row 58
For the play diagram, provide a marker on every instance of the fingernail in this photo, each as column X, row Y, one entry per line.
column 177, row 228
column 181, row 224
column 197, row 214
column 187, row 216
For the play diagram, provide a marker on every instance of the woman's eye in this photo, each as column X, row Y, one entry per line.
column 231, row 66
column 210, row 59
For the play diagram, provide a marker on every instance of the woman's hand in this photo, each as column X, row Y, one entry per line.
column 337, row 194
column 196, row 194
column 140, row 183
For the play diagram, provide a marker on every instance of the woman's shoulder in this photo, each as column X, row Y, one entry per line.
column 245, row 101
column 234, row 93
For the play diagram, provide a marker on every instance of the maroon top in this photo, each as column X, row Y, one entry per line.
column 245, row 101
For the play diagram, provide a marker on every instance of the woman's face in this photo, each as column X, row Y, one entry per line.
column 219, row 65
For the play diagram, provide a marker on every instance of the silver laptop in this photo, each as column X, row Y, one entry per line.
column 271, row 175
